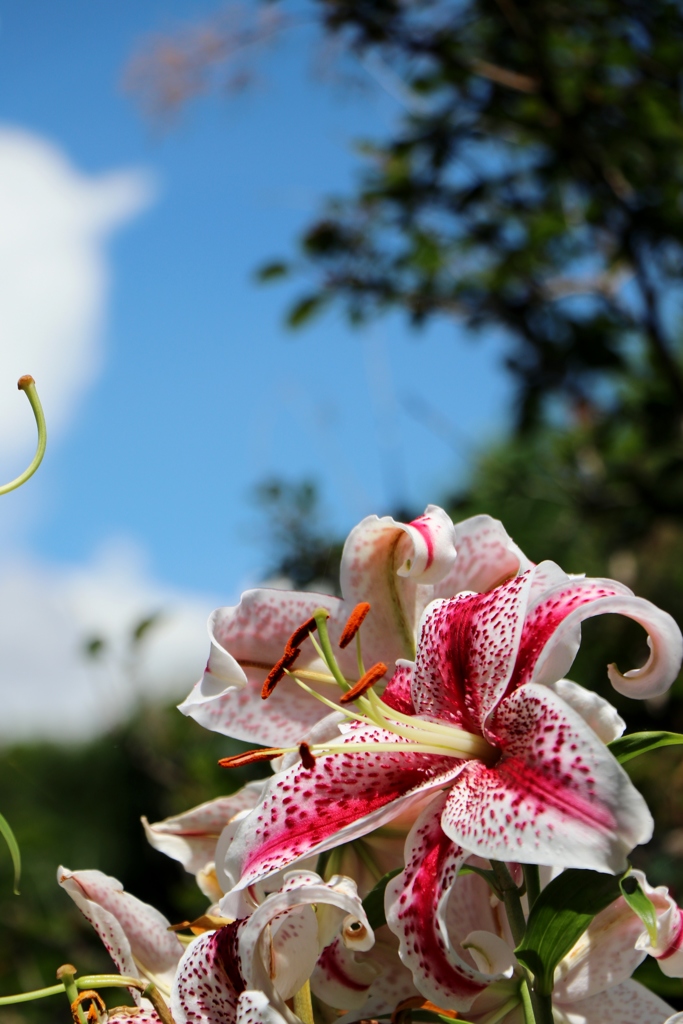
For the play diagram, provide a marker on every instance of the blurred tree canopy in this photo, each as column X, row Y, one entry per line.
column 533, row 185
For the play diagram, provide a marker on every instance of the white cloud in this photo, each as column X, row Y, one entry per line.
column 48, row 687
column 54, row 226
column 53, row 278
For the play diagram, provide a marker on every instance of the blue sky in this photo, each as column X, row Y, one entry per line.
column 196, row 391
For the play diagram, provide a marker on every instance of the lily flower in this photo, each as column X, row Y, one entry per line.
column 191, row 837
column 244, row 969
column 457, row 944
column 397, row 568
column 134, row 933
column 528, row 779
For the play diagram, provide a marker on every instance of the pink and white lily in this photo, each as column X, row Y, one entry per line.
column 528, row 779
column 191, row 837
column 250, row 965
column 134, row 933
column 397, row 567
column 457, row 945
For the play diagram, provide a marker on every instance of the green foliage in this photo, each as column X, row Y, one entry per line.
column 559, row 917
column 533, row 184
column 373, row 904
column 14, row 852
column 634, row 744
column 299, row 545
column 640, row 904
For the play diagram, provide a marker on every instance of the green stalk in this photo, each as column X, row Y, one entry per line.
column 321, row 615
column 67, row 975
column 28, row 385
column 543, row 1008
column 511, row 897
column 26, row 997
column 529, row 1015
column 533, row 883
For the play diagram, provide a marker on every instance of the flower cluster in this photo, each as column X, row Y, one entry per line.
column 446, row 829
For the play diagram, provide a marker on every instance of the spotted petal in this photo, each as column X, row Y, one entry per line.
column 191, row 837
column 551, row 633
column 208, row 983
column 417, row 911
column 466, row 653
column 603, row 957
column 246, row 641
column 486, row 557
column 391, row 986
column 253, row 1008
column 134, row 933
column 342, row 978
column 346, row 795
column 627, row 1003
column 393, row 566
column 556, row 796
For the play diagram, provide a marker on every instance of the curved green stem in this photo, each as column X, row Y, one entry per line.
column 28, row 385
column 26, row 997
column 511, row 898
column 321, row 615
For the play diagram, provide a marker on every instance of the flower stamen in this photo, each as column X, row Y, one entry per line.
column 366, row 682
column 307, row 759
column 353, row 623
column 278, row 670
column 300, row 634
column 252, row 756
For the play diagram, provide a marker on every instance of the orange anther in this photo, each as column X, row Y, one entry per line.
column 372, row 676
column 307, row 759
column 251, row 757
column 277, row 671
column 353, row 624
column 300, row 634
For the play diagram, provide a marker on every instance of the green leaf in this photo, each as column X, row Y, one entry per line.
column 373, row 904
column 272, row 271
column 559, row 917
column 628, row 747
column 640, row 904
column 304, row 310
column 13, row 845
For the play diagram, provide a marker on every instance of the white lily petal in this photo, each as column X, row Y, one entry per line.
column 598, row 713
column 491, row 954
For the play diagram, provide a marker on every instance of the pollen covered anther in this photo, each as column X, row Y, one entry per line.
column 353, row 624
column 300, row 634
column 251, row 756
column 372, row 676
column 307, row 759
column 278, row 670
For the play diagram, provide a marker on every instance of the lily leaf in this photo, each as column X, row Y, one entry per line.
column 640, row 904
column 13, row 846
column 373, row 904
column 627, row 747
column 559, row 917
